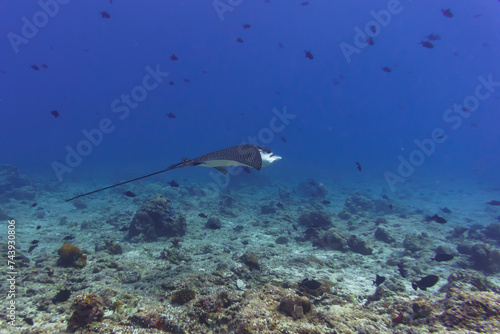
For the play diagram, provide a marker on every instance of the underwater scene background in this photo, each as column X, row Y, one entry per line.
column 383, row 215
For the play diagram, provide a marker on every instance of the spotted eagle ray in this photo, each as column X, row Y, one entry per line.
column 247, row 155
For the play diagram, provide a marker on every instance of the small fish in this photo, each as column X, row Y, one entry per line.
column 465, row 109
column 38, row 227
column 309, row 55
column 246, row 26
column 305, row 3
column 186, row 80
column 425, row 282
column 69, row 237
column 358, row 166
column 282, row 139
column 44, row 66
column 32, row 247
column 427, row 44
column 281, row 45
column 436, row 218
column 171, row 115
column 246, row 169
column 399, row 319
column 386, row 69
column 447, row 12
column 433, row 37
column 36, row 68
column 336, row 82
column 204, row 71
column 280, row 205
column 128, row 193
column 373, row 29
column 446, row 210
column 378, row 280
column 384, row 196
column 34, row 204
column 171, row 83
column 309, row 284
column 369, row 40
column 477, row 15
column 202, row 215
column 442, row 257
column 123, row 229
column 325, row 202
column 55, row 113
column 34, row 242
column 173, row 184
column 402, row 270
column 105, row 15
column 239, row 40
column 174, row 57
column 494, row 203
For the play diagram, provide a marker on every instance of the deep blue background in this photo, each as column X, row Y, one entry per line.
column 371, row 116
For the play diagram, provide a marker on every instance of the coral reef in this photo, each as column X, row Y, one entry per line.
column 316, row 219
column 70, row 255
column 87, row 308
column 311, row 188
column 156, row 219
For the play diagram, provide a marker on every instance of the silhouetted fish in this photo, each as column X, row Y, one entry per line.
column 442, row 257
column 378, row 280
column 282, row 139
column 426, row 282
column 309, row 55
column 446, row 210
column 373, row 29
column 281, row 45
column 239, row 40
column 309, row 284
column 174, row 57
column 69, row 237
column 38, row 227
column 246, row 26
column 32, row 247
column 358, row 166
column 305, row 3
column 129, row 194
column 171, row 115
column 427, row 44
column 386, row 69
column 171, row 83
column 325, row 202
column 436, row 218
column 433, row 37
column 402, row 270
column 36, row 68
column 124, row 229
column 369, row 40
column 55, row 113
column 202, row 215
column 105, row 15
column 186, row 80
column 34, row 242
column 34, row 204
column 494, row 203
column 447, row 12
column 173, row 184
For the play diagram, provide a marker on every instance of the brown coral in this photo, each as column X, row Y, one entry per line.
column 88, row 308
column 70, row 255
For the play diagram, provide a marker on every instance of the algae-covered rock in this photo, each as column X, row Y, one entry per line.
column 358, row 245
column 333, row 238
column 295, row 306
column 358, row 204
column 415, row 242
column 157, row 218
column 316, row 219
column 311, row 188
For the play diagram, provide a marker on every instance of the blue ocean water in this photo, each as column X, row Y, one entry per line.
column 400, row 98
column 370, row 116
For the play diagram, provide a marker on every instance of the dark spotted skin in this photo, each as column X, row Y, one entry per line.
column 247, row 154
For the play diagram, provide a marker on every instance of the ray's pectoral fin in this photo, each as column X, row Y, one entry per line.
column 222, row 169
